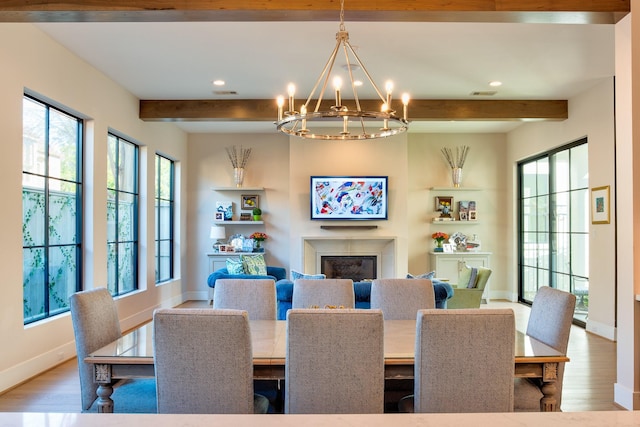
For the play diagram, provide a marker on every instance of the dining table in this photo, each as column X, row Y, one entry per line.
column 131, row 356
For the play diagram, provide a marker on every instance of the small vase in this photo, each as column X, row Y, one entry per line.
column 456, row 176
column 438, row 247
column 238, row 176
column 259, row 246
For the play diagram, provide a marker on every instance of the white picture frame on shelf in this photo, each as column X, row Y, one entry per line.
column 447, row 248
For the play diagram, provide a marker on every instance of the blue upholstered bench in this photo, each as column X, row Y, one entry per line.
column 362, row 290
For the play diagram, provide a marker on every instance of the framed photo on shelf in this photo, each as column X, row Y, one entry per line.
column 444, row 205
column 245, row 216
column 473, row 216
column 600, row 205
column 447, row 248
column 249, row 201
column 219, row 216
column 463, row 215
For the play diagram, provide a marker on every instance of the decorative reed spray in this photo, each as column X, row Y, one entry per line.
column 238, row 159
column 456, row 162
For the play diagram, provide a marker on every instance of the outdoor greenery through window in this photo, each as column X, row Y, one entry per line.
column 164, row 203
column 122, row 215
column 51, row 208
column 554, row 224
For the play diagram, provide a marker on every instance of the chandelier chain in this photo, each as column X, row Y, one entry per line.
column 342, row 27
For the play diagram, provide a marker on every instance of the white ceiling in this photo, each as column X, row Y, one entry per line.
column 179, row 60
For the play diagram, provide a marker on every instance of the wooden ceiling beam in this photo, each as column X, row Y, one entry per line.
column 419, row 110
column 541, row 11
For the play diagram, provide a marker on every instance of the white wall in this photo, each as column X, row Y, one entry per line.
column 590, row 115
column 38, row 64
column 209, row 167
column 483, row 170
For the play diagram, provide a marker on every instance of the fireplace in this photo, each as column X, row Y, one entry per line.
column 354, row 267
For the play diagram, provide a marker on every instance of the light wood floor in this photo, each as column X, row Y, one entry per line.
column 588, row 380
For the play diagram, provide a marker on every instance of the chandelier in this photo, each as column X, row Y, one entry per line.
column 316, row 120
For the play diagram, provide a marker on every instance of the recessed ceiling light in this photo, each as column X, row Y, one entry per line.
column 218, row 82
column 495, row 83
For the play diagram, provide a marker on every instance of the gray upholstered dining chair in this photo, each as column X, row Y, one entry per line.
column 334, row 361
column 320, row 293
column 464, row 361
column 204, row 362
column 400, row 299
column 256, row 296
column 95, row 324
column 549, row 322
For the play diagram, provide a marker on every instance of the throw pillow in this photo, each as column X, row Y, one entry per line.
column 254, row 264
column 468, row 277
column 234, row 266
column 430, row 275
column 297, row 275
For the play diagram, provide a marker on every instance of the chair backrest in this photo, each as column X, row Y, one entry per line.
column 256, row 296
column 95, row 324
column 400, row 299
column 335, row 361
column 334, row 292
column 203, row 361
column 550, row 322
column 464, row 360
column 483, row 277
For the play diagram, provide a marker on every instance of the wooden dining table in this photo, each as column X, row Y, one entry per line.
column 131, row 356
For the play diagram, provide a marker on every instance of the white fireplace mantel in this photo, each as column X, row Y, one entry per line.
column 313, row 248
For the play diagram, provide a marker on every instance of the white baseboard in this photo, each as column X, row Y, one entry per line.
column 600, row 329
column 626, row 397
column 28, row 369
column 197, row 296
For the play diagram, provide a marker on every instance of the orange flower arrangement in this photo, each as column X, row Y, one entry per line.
column 439, row 237
column 259, row 236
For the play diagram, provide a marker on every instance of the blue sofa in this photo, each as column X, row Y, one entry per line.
column 362, row 290
column 278, row 274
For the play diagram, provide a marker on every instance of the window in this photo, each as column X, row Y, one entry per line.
column 554, row 224
column 122, row 215
column 51, row 208
column 164, row 218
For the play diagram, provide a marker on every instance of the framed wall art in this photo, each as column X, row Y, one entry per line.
column 349, row 197
column 444, row 205
column 600, row 205
column 249, row 201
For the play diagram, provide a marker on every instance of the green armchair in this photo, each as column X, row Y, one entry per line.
column 466, row 295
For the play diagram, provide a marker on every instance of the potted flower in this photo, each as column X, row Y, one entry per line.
column 257, row 214
column 439, row 237
column 259, row 237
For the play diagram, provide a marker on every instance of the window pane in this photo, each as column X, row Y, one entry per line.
column 112, row 147
column 529, row 179
column 63, row 147
column 111, row 216
column 542, row 213
column 62, row 216
column 580, row 167
column 126, row 217
column 32, row 217
column 62, row 277
column 112, row 268
column 33, row 136
column 128, row 162
column 126, row 267
column 580, row 211
column 580, row 254
column 561, row 164
column 529, row 215
column 165, row 219
column 560, row 216
column 542, row 167
column 562, row 282
column 33, row 279
column 166, row 170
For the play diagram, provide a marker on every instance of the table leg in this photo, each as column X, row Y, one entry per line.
column 548, row 402
column 102, row 375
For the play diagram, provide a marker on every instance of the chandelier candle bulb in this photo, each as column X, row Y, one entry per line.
column 337, row 84
column 405, row 103
column 303, row 112
column 280, row 102
column 345, row 121
column 292, row 91
column 389, row 87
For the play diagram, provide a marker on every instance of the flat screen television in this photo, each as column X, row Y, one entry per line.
column 349, row 197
